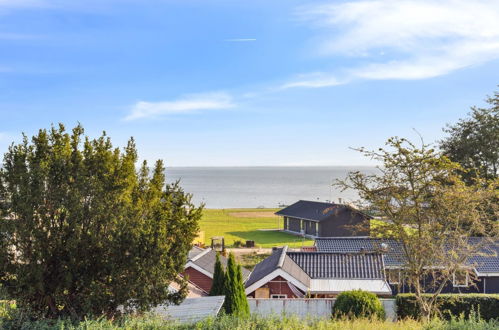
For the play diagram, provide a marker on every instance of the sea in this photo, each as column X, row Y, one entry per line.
column 263, row 187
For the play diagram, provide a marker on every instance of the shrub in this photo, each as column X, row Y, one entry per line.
column 238, row 244
column 358, row 303
column 453, row 305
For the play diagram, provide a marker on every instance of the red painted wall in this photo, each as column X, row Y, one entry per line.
column 199, row 279
column 277, row 285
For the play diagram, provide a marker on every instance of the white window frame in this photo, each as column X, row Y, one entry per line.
column 454, row 284
column 389, row 270
column 278, row 296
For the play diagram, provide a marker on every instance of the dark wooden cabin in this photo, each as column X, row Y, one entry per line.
column 319, row 219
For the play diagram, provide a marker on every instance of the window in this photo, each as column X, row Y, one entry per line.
column 460, row 278
column 316, row 229
column 393, row 276
column 278, row 296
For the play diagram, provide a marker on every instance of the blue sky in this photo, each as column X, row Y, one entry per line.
column 206, row 83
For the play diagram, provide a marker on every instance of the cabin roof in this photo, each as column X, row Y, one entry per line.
column 315, row 211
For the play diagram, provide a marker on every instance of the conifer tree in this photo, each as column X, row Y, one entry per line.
column 235, row 296
column 218, row 286
column 90, row 232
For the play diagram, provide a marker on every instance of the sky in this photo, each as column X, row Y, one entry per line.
column 246, row 83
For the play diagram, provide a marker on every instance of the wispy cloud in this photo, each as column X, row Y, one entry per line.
column 403, row 39
column 313, row 80
column 240, row 40
column 188, row 104
column 18, row 36
column 21, row 3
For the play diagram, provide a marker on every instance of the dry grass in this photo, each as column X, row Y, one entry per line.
column 255, row 214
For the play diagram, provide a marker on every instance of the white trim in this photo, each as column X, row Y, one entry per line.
column 201, row 254
column 294, row 217
column 387, row 270
column 278, row 296
column 199, row 269
column 460, row 285
column 269, row 277
column 486, row 274
column 282, row 256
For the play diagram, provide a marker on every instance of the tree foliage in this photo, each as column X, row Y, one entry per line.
column 358, row 304
column 236, row 302
column 429, row 210
column 474, row 141
column 218, row 284
column 84, row 231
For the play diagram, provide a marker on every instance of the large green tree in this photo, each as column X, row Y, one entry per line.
column 236, row 302
column 430, row 212
column 474, row 141
column 84, row 231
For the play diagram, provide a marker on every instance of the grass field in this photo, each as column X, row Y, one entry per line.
column 246, row 224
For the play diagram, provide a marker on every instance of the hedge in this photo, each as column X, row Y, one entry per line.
column 358, row 303
column 486, row 306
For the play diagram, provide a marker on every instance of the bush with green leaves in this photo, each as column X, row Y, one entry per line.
column 486, row 306
column 358, row 304
column 85, row 231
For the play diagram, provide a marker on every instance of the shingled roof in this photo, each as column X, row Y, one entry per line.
column 489, row 261
column 314, row 211
column 266, row 266
column 340, row 265
column 305, row 266
column 391, row 249
column 206, row 260
column 393, row 255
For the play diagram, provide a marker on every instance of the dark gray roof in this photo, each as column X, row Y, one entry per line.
column 392, row 250
column 317, row 265
column 207, row 262
column 194, row 252
column 489, row 261
column 315, row 211
column 265, row 267
column 340, row 265
column 393, row 255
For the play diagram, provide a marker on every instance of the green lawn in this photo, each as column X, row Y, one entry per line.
column 244, row 224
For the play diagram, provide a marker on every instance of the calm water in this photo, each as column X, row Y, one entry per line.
column 232, row 187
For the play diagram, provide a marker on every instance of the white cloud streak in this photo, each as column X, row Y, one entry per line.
column 22, row 3
column 240, row 40
column 188, row 104
column 403, row 39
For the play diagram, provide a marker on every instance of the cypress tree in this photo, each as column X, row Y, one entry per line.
column 235, row 296
column 218, row 286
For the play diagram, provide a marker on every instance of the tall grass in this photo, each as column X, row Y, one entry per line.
column 253, row 323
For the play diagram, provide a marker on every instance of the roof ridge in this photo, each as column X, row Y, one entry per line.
column 348, row 237
column 329, row 252
column 282, row 256
column 201, row 254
